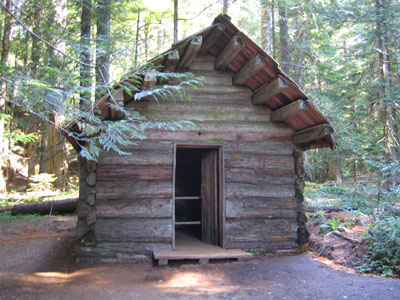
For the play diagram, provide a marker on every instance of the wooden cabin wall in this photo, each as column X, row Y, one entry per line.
column 259, row 188
column 134, row 192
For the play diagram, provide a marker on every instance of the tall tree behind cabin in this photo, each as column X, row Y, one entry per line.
column 103, row 39
column 5, row 52
column 284, row 36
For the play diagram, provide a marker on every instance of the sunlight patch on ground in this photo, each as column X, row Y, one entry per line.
column 334, row 266
column 197, row 283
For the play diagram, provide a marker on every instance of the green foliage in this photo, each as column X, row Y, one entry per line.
column 41, row 182
column 6, row 217
column 334, row 223
column 253, row 252
column 365, row 198
column 5, row 202
column 383, row 256
column 17, row 136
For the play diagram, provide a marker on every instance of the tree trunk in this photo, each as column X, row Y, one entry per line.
column 55, row 156
column 66, row 206
column 266, row 41
column 273, row 28
column 385, row 78
column 146, row 31
column 85, row 73
column 137, row 37
column 284, row 36
column 5, row 52
column 225, row 6
column 103, row 43
column 175, row 21
column 334, row 169
column 36, row 49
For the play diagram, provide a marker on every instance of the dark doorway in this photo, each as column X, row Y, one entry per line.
column 197, row 194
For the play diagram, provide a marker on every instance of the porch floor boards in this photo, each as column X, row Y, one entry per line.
column 189, row 247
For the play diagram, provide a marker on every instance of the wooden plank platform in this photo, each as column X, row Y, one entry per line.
column 188, row 247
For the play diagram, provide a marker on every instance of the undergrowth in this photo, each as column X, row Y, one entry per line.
column 6, row 217
column 383, row 253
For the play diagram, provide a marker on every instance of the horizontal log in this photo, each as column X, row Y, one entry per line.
column 215, row 136
column 209, row 78
column 266, row 213
column 117, row 190
column 171, row 61
column 239, row 98
column 212, row 38
column 261, row 229
column 149, row 145
column 238, row 128
column 289, row 110
column 259, row 176
column 65, row 206
column 141, row 208
column 229, row 53
column 138, row 157
column 262, row 202
column 190, row 53
column 269, row 91
column 266, row 246
column 203, row 63
column 112, row 249
column 261, row 147
column 245, row 160
column 214, row 115
column 110, row 172
column 134, row 230
column 225, row 77
column 254, row 190
column 201, row 108
column 251, row 68
column 312, row 133
column 220, row 90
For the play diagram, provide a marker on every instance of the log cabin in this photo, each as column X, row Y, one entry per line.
column 235, row 181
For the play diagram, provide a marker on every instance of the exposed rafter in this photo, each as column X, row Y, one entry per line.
column 229, row 53
column 251, row 68
column 212, row 38
column 150, row 79
column 171, row 61
column 313, row 133
column 290, row 110
column 270, row 90
column 118, row 97
column 191, row 51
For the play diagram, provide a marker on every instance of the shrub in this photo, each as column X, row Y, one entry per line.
column 383, row 255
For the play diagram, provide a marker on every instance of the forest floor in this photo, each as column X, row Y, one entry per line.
column 37, row 262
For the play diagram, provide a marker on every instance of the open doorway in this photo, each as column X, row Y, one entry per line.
column 198, row 204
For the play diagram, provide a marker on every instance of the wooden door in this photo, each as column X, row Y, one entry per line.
column 209, row 196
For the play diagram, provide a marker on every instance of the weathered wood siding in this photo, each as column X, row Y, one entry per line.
column 134, row 193
column 134, row 202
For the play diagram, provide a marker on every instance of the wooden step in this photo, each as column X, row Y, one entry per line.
column 190, row 248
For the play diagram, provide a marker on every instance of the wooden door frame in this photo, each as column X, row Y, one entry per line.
column 221, row 193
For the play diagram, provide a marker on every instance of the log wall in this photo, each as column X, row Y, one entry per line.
column 134, row 193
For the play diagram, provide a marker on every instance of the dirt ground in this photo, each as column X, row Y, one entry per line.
column 36, row 262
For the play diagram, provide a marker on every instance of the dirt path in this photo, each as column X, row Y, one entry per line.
column 37, row 263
